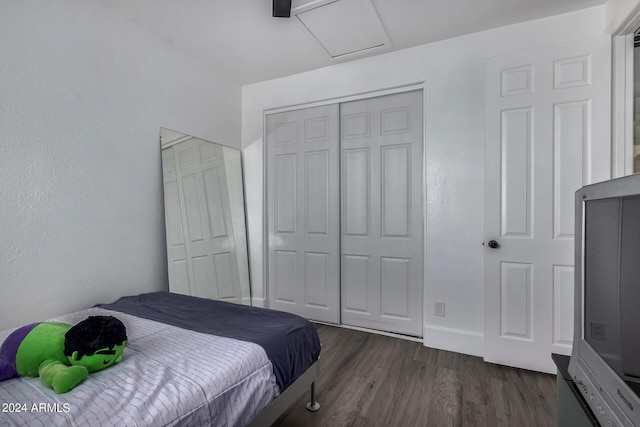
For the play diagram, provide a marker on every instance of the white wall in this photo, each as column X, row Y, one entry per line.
column 83, row 94
column 617, row 12
column 453, row 76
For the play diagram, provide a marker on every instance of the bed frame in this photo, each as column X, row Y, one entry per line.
column 287, row 398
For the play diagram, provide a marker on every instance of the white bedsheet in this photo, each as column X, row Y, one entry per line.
column 168, row 376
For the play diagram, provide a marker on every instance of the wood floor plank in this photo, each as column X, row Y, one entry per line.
column 374, row 380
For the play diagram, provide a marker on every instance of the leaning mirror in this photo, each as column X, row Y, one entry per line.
column 204, row 218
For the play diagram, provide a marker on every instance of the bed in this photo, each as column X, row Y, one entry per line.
column 188, row 361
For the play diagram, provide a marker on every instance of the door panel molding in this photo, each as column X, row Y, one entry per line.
column 547, row 128
column 386, row 207
column 302, row 212
column 388, row 294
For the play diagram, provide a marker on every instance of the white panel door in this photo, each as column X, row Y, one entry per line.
column 303, row 212
column 200, row 240
column 547, row 122
column 381, row 204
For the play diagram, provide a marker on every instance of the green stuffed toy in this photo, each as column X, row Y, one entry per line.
column 62, row 355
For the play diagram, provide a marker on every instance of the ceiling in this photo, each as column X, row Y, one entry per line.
column 242, row 40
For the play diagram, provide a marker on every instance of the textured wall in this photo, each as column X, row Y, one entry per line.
column 83, row 94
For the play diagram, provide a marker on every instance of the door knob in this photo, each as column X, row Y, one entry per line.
column 493, row 244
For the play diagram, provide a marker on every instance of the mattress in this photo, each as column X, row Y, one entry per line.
column 291, row 342
column 169, row 376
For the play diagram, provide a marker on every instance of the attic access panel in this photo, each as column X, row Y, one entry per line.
column 344, row 28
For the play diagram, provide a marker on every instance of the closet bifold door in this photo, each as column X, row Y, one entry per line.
column 303, row 212
column 381, row 213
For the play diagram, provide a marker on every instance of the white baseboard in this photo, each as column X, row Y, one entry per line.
column 450, row 339
column 258, row 302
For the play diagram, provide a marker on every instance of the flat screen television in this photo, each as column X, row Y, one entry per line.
column 605, row 360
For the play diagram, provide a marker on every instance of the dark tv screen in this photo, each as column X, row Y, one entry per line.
column 612, row 284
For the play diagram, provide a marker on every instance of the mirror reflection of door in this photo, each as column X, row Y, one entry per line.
column 204, row 218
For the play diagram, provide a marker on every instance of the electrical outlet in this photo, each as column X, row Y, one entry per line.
column 439, row 311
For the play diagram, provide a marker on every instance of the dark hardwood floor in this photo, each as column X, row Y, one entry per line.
column 373, row 380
